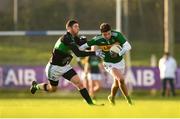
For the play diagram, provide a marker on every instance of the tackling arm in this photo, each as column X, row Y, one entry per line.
column 80, row 53
column 73, row 46
column 84, row 46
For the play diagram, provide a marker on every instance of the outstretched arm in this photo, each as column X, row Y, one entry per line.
column 80, row 53
column 84, row 46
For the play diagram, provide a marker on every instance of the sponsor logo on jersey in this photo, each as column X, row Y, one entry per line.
column 105, row 47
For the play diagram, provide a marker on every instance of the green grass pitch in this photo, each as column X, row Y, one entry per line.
column 77, row 108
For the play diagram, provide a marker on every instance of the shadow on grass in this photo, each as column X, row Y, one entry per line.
column 74, row 94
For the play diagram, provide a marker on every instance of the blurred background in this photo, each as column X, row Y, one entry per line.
column 30, row 28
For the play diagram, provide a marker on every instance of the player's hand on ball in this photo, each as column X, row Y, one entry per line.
column 113, row 54
column 115, row 50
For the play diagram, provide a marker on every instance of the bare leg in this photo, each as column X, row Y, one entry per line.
column 85, row 83
column 94, row 86
column 114, row 89
column 47, row 87
column 91, row 85
column 75, row 80
column 42, row 86
column 120, row 78
column 97, row 85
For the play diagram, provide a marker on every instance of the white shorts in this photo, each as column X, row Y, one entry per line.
column 53, row 72
column 119, row 65
column 93, row 76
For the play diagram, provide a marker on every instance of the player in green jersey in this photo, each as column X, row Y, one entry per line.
column 93, row 69
column 113, row 63
column 59, row 64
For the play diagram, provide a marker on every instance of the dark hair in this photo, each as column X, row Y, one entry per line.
column 70, row 23
column 104, row 27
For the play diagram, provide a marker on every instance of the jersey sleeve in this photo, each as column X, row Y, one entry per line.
column 68, row 41
column 121, row 39
column 73, row 46
column 92, row 42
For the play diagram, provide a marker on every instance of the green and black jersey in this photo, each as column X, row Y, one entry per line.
column 65, row 45
column 94, row 62
column 105, row 45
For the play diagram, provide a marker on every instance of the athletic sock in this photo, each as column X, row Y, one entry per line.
column 86, row 96
column 129, row 99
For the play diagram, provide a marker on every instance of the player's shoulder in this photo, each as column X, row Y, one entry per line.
column 115, row 33
column 97, row 37
column 66, row 38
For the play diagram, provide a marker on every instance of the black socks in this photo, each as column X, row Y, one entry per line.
column 86, row 96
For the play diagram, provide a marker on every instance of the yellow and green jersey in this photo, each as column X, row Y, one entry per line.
column 105, row 45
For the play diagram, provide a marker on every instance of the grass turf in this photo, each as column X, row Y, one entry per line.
column 56, row 108
column 62, row 104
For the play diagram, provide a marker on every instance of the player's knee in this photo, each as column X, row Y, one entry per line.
column 98, row 87
column 80, row 85
column 122, row 81
column 120, row 78
column 77, row 82
column 115, row 85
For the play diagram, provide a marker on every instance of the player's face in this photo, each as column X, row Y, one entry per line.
column 75, row 29
column 106, row 35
